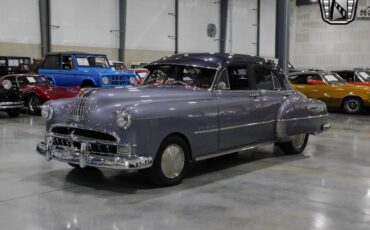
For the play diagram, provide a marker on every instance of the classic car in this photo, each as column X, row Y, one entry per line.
column 140, row 72
column 12, row 65
column 330, row 88
column 355, row 77
column 37, row 89
column 84, row 70
column 10, row 98
column 191, row 107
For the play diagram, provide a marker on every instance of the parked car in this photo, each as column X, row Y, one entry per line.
column 37, row 89
column 118, row 65
column 140, row 72
column 332, row 89
column 191, row 107
column 12, row 65
column 355, row 77
column 84, row 70
column 10, row 98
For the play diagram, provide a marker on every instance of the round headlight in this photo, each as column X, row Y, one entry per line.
column 132, row 81
column 47, row 112
column 105, row 80
column 7, row 84
column 124, row 119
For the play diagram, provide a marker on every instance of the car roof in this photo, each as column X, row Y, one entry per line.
column 207, row 60
column 309, row 72
column 74, row 53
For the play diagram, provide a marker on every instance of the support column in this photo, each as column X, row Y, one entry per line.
column 45, row 29
column 122, row 29
column 258, row 26
column 224, row 9
column 282, row 34
column 176, row 26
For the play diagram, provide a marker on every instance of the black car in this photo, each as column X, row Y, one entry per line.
column 10, row 98
column 13, row 65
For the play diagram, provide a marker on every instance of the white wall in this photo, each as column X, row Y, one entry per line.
column 149, row 25
column 20, row 21
column 316, row 44
column 85, row 23
column 267, row 28
column 242, row 27
column 194, row 16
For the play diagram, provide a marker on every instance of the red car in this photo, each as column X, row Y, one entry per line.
column 37, row 89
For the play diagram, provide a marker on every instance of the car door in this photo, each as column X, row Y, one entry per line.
column 239, row 109
column 271, row 94
column 52, row 69
column 67, row 74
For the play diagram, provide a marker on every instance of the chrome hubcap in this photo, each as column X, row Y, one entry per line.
column 352, row 105
column 298, row 140
column 173, row 161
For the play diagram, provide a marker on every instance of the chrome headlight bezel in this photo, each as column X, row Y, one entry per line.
column 123, row 118
column 105, row 80
column 7, row 84
column 47, row 112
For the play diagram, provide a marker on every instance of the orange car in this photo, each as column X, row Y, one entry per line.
column 355, row 77
column 331, row 89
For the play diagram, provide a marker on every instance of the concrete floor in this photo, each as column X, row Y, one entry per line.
column 326, row 188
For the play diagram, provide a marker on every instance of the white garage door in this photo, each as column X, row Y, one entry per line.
column 242, row 27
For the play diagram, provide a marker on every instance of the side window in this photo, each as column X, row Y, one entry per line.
column 67, row 62
column 52, row 62
column 307, row 79
column 238, row 78
column 223, row 81
column 266, row 79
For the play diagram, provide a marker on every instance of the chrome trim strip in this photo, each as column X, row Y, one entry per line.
column 249, row 147
column 233, row 127
column 303, row 118
column 11, row 105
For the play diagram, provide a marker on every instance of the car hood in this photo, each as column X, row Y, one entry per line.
column 100, row 104
column 51, row 92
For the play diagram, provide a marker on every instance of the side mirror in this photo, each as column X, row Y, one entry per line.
column 51, row 80
column 221, row 86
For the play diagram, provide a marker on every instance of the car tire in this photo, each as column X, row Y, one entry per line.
column 352, row 105
column 33, row 103
column 296, row 146
column 13, row 113
column 171, row 162
column 87, row 84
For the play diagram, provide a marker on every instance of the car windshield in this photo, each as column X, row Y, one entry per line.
column 32, row 80
column 180, row 75
column 93, row 61
column 364, row 76
column 334, row 79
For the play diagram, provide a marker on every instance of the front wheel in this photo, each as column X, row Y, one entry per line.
column 171, row 162
column 33, row 104
column 296, row 146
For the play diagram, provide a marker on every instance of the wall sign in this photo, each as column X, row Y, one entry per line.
column 363, row 13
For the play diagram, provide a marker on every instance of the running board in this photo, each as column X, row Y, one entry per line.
column 249, row 147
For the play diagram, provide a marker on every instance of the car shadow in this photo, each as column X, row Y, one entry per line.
column 199, row 174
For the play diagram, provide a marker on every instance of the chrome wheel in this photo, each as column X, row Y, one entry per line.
column 298, row 141
column 173, row 161
column 352, row 105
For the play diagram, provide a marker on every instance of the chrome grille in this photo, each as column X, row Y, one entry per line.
column 118, row 80
column 78, row 108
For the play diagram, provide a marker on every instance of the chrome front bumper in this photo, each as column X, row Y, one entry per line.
column 11, row 105
column 83, row 157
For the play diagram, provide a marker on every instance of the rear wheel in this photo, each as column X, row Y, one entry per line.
column 171, row 162
column 296, row 146
column 352, row 105
column 13, row 113
column 33, row 104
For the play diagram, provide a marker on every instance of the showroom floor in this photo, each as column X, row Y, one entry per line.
column 327, row 188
